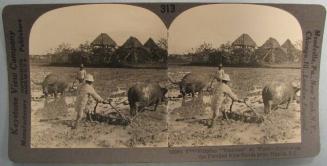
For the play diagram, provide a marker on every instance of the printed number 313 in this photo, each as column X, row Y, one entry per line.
column 167, row 8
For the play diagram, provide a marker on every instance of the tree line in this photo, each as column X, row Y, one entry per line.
column 90, row 55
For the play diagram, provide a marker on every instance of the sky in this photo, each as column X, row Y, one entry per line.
column 77, row 24
column 220, row 23
column 214, row 24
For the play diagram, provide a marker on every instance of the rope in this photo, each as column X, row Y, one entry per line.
column 120, row 114
column 244, row 102
column 121, row 102
column 95, row 108
column 249, row 107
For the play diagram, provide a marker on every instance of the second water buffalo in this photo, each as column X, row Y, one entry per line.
column 192, row 83
column 278, row 93
column 142, row 95
column 54, row 84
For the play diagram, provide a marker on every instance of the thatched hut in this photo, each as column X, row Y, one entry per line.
column 132, row 42
column 157, row 54
column 132, row 52
column 104, row 40
column 271, row 52
column 270, row 43
column 103, row 48
column 293, row 54
column 243, row 49
column 244, row 41
column 151, row 45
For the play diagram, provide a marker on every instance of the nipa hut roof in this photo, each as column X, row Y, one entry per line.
column 244, row 40
column 274, row 55
column 271, row 43
column 293, row 53
column 151, row 44
column 288, row 45
column 132, row 42
column 104, row 40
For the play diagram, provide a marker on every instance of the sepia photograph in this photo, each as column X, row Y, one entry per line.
column 98, row 77
column 110, row 77
column 162, row 82
column 236, row 72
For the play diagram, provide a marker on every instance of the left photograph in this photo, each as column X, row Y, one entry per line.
column 98, row 78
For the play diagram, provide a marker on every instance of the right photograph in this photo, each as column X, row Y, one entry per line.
column 235, row 76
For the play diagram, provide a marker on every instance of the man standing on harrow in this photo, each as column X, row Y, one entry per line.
column 217, row 75
column 81, row 74
column 220, row 71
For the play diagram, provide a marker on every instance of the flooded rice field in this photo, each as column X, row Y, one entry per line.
column 173, row 124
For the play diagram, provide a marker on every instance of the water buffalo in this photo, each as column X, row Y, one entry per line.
column 278, row 93
column 54, row 84
column 192, row 83
column 142, row 95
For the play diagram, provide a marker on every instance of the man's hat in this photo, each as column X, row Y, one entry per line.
column 226, row 77
column 89, row 77
column 81, row 66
